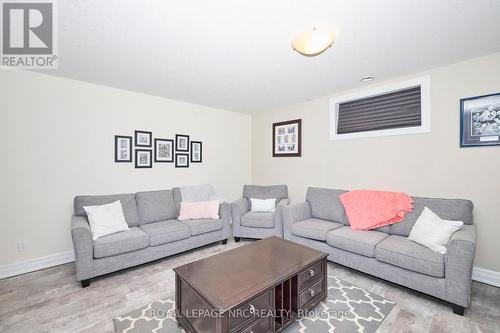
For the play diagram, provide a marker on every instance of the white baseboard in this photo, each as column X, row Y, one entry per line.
column 36, row 264
column 486, row 276
column 31, row 265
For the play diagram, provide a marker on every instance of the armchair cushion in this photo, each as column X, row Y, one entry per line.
column 258, row 220
column 314, row 228
column 265, row 192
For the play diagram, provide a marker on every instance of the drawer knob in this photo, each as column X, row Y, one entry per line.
column 311, row 272
column 311, row 292
column 252, row 309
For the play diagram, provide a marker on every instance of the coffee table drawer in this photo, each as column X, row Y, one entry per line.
column 250, row 310
column 309, row 293
column 261, row 325
column 310, row 273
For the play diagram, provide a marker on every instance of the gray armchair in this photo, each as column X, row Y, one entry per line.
column 259, row 225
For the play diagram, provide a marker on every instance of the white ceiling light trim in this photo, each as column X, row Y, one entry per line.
column 313, row 41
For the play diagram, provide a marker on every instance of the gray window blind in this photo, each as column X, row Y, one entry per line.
column 392, row 110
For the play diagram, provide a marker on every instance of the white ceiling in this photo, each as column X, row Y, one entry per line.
column 236, row 54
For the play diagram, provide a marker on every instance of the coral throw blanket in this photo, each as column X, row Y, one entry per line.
column 374, row 209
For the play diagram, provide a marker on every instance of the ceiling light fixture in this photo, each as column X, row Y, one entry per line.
column 367, row 78
column 313, row 41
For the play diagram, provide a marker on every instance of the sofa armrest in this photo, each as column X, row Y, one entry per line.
column 238, row 209
column 225, row 216
column 83, row 246
column 458, row 265
column 283, row 203
column 292, row 214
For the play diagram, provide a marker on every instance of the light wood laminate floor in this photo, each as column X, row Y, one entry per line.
column 51, row 300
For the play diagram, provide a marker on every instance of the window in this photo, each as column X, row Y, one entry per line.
column 396, row 109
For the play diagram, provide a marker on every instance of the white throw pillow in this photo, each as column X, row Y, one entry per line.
column 106, row 219
column 263, row 205
column 432, row 231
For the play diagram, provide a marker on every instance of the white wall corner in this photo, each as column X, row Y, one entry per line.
column 36, row 264
column 486, row 276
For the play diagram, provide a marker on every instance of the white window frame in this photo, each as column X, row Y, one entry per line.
column 425, row 102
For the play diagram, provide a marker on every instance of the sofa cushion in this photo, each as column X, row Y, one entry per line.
column 127, row 200
column 314, row 228
column 402, row 252
column 356, row 241
column 447, row 209
column 265, row 192
column 325, row 204
column 155, row 206
column 125, row 241
column 202, row 226
column 258, row 220
column 165, row 231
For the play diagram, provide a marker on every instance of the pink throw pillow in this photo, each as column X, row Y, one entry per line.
column 199, row 210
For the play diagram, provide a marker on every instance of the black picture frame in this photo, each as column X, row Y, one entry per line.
column 193, row 160
column 473, row 111
column 147, row 166
column 177, row 165
column 172, row 149
column 298, row 138
column 178, row 138
column 136, row 140
column 117, row 157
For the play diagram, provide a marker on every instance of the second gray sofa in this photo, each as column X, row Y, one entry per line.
column 154, row 232
column 320, row 222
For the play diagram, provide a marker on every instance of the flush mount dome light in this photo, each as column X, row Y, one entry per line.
column 313, row 41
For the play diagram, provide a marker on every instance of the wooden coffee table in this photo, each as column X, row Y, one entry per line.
column 255, row 288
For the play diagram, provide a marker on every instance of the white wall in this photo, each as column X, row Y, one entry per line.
column 57, row 140
column 422, row 164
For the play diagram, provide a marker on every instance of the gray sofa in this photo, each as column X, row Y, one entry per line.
column 154, row 232
column 259, row 225
column 387, row 253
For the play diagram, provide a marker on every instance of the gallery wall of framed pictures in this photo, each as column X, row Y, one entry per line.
column 143, row 149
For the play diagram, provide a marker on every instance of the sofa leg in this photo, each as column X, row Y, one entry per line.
column 236, row 239
column 224, row 241
column 457, row 309
column 85, row 283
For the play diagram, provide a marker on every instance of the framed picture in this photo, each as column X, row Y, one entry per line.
column 143, row 139
column 480, row 121
column 287, row 138
column 164, row 150
column 143, row 158
column 123, row 148
column 181, row 142
column 196, row 152
column 182, row 160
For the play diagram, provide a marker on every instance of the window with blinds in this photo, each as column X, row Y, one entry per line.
column 397, row 109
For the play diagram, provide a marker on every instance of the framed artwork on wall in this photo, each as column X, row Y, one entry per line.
column 181, row 142
column 164, row 150
column 143, row 158
column 143, row 139
column 287, row 138
column 196, row 152
column 182, row 160
column 480, row 121
column 123, row 148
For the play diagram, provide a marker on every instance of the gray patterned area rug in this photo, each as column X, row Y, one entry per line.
column 347, row 309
